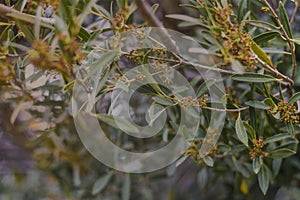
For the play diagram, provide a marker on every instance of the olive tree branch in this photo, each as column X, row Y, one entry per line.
column 196, row 65
column 11, row 13
column 227, row 109
column 277, row 74
column 289, row 41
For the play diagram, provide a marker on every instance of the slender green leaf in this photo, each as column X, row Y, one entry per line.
column 152, row 82
column 264, row 24
column 270, row 102
column 291, row 129
column 202, row 177
column 264, row 179
column 261, row 54
column 187, row 19
column 294, row 98
column 241, row 131
column 194, row 82
column 99, row 65
column 162, row 101
column 257, row 104
column 27, row 30
column 69, row 86
column 65, row 10
column 123, row 124
column 282, row 153
column 187, row 24
column 83, row 35
column 276, row 165
column 155, row 7
column 21, row 17
column 266, row 36
column 253, row 78
column 242, row 9
column 253, row 119
column 126, row 187
column 250, row 130
column 101, row 183
column 37, row 23
column 257, row 163
column 165, row 135
column 285, row 20
column 277, row 138
column 100, row 10
column 275, row 51
column 20, row 5
column 34, row 77
column 154, row 114
column 205, row 86
column 289, row 143
column 208, row 161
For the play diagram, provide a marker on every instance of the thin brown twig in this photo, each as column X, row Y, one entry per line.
column 227, row 110
column 182, row 61
column 223, row 71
